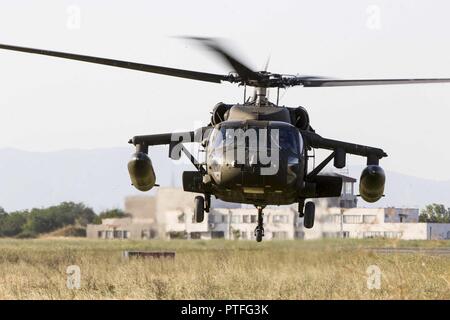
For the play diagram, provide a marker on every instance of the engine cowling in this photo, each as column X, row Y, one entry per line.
column 301, row 118
column 371, row 183
column 220, row 113
column 141, row 172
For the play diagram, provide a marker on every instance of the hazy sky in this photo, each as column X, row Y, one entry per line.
column 50, row 104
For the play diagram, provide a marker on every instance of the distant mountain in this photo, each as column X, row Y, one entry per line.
column 96, row 177
column 99, row 178
column 407, row 191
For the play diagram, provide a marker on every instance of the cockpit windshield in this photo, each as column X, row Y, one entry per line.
column 274, row 135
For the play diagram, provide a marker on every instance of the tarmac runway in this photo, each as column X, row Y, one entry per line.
column 431, row 251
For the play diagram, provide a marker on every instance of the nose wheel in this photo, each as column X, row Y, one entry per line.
column 259, row 230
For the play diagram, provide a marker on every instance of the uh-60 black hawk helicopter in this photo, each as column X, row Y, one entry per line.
column 256, row 152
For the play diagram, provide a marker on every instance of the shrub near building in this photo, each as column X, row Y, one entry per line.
column 435, row 213
column 25, row 224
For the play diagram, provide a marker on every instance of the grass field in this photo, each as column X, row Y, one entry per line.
column 331, row 269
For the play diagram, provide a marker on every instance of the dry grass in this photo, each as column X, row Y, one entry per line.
column 333, row 269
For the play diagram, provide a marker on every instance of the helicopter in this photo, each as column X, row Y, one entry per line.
column 256, row 152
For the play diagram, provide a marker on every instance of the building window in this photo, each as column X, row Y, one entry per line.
column 100, row 234
column 347, row 203
column 224, row 218
column 299, row 235
column 253, row 218
column 347, row 188
column 177, row 234
column 109, row 234
column 246, row 218
column 338, row 218
column 334, row 218
column 215, row 218
column 235, row 219
column 196, row 235
column 373, row 234
column 147, row 234
column 279, row 235
column 217, row 235
column 279, row 218
column 331, row 234
column 181, row 218
column 244, row 235
column 369, row 218
column 352, row 219
column 126, row 234
column 117, row 234
column 392, row 234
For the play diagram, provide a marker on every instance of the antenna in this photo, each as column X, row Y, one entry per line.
column 278, row 95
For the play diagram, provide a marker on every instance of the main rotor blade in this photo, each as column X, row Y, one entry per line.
column 266, row 66
column 195, row 75
column 318, row 82
column 244, row 71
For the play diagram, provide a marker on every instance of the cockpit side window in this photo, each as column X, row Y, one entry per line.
column 288, row 139
column 217, row 139
column 300, row 142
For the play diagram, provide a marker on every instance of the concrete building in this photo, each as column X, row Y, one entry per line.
column 169, row 215
column 233, row 224
column 141, row 224
column 375, row 223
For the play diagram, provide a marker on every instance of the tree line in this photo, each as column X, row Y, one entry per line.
column 435, row 213
column 37, row 221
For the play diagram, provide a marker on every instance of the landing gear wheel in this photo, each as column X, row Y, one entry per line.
column 310, row 209
column 199, row 209
column 259, row 234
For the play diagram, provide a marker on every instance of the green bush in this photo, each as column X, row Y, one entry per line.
column 26, row 235
column 25, row 224
column 12, row 224
column 435, row 213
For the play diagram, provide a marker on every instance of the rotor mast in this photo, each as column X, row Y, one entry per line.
column 260, row 97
